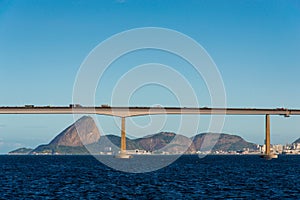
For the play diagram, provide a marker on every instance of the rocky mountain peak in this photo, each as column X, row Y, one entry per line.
column 83, row 131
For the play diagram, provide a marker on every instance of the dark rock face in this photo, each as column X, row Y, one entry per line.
column 83, row 132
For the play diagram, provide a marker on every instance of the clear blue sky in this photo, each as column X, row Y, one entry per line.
column 255, row 45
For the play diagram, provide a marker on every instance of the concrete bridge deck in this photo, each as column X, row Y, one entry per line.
column 140, row 111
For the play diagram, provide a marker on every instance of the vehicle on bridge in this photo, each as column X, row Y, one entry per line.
column 75, row 106
column 105, row 106
column 29, row 106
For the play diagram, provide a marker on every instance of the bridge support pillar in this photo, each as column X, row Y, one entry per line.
column 122, row 153
column 268, row 155
column 267, row 138
column 123, row 135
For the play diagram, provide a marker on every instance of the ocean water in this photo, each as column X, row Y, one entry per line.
column 189, row 177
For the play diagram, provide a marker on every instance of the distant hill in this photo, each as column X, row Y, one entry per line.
column 165, row 141
column 104, row 144
column 110, row 143
column 20, row 151
column 83, row 137
column 221, row 142
column 175, row 143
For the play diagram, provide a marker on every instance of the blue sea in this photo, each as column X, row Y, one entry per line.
column 189, row 177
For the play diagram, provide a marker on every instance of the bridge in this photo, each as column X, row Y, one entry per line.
column 124, row 112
